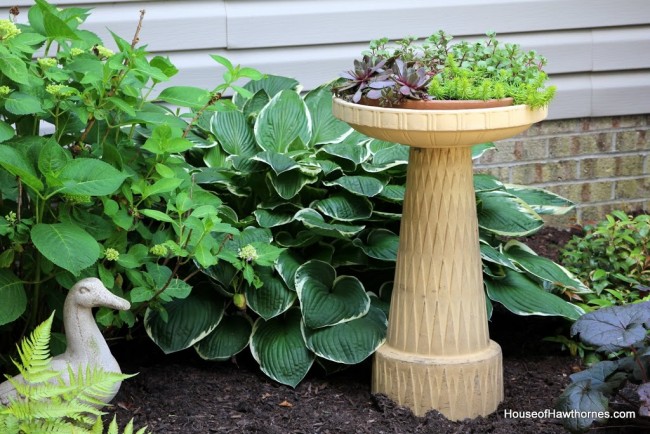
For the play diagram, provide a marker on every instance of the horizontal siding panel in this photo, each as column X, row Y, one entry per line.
column 621, row 93
column 167, row 26
column 627, row 48
column 312, row 22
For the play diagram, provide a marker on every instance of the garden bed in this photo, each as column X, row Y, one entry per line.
column 180, row 393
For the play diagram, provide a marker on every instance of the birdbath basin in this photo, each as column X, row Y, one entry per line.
column 438, row 353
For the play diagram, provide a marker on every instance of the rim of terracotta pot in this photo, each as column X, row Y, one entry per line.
column 438, row 128
column 440, row 104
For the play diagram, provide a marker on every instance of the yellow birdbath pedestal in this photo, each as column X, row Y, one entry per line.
column 438, row 353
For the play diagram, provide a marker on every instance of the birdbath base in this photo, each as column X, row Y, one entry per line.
column 458, row 387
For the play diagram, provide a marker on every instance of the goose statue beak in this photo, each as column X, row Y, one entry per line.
column 113, row 301
column 91, row 292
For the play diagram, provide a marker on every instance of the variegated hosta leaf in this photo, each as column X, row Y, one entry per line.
column 271, row 86
column 326, row 299
column 485, row 182
column 357, row 153
column 187, row 321
column 502, row 213
column 381, row 244
column 278, row 346
column 542, row 201
column 325, row 127
column 393, row 193
column 267, row 218
column 229, row 338
column 345, row 207
column 287, row 264
column 280, row 163
column 312, row 219
column 543, row 268
column 360, row 185
column 288, row 184
column 350, row 342
column 273, row 298
column 520, row 295
column 490, row 254
column 283, row 122
column 234, row 133
column 480, row 149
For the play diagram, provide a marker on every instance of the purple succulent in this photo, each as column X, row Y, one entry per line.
column 366, row 71
column 411, row 81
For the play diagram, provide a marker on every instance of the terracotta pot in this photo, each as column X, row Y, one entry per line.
column 439, row 104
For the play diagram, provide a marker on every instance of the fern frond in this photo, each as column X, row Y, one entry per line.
column 34, row 353
column 94, row 385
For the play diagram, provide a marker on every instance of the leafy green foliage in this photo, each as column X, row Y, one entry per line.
column 45, row 403
column 621, row 334
column 613, row 258
column 320, row 211
column 93, row 175
column 437, row 69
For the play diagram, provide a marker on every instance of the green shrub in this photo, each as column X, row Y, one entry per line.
column 613, row 258
column 44, row 403
column 93, row 181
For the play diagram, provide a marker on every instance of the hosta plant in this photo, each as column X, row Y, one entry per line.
column 325, row 203
column 436, row 69
column 93, row 175
column 619, row 333
column 613, row 258
column 44, row 403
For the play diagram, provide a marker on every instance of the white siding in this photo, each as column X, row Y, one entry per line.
column 598, row 50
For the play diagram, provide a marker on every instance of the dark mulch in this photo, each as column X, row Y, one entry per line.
column 181, row 393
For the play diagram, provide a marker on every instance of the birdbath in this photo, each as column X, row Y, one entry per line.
column 438, row 353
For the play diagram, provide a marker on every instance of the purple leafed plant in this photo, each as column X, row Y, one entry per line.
column 365, row 72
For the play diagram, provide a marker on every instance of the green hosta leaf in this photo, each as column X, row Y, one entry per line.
column 234, row 133
column 271, row 218
column 287, row 264
column 88, row 176
column 229, row 338
column 12, row 294
column 284, row 120
column 360, row 185
column 393, row 193
column 185, row 96
column 66, row 245
column 277, row 345
column 485, row 182
column 326, row 128
column 278, row 162
column 15, row 163
column 344, row 207
column 19, row 103
column 350, row 342
column 490, row 254
column 542, row 268
column 6, row 131
column 273, row 298
column 480, row 149
column 326, row 299
column 189, row 320
column 388, row 158
column 312, row 219
column 505, row 214
column 288, row 184
column 522, row 296
column 613, row 328
column 270, row 85
column 356, row 153
column 382, row 244
column 542, row 201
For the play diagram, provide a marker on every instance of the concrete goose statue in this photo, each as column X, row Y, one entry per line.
column 86, row 344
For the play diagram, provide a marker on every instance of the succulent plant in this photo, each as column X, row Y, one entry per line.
column 438, row 69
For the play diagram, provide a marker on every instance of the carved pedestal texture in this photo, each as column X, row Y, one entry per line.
column 438, row 354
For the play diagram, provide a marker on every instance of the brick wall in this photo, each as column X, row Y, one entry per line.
column 601, row 164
